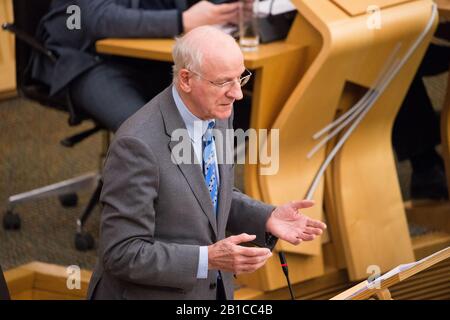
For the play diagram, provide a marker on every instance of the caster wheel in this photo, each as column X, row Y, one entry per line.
column 69, row 200
column 11, row 221
column 84, row 241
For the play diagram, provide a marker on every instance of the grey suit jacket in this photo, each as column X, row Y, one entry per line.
column 157, row 213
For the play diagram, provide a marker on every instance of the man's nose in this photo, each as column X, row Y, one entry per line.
column 235, row 91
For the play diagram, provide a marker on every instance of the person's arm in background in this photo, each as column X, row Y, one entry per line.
column 111, row 18
column 207, row 13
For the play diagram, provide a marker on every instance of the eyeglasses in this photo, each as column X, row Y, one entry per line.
column 242, row 81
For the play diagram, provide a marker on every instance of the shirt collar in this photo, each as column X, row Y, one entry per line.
column 195, row 126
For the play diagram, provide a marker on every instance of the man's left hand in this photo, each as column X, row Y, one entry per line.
column 288, row 224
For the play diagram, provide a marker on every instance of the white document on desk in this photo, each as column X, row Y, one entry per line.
column 279, row 6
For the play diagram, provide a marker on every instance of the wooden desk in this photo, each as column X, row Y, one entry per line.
column 270, row 63
column 161, row 49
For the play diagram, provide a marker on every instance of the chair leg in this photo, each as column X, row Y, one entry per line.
column 83, row 240
column 66, row 190
column 61, row 188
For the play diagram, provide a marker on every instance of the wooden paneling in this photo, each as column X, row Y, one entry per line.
column 19, row 280
column 358, row 7
column 23, row 295
column 444, row 8
column 39, row 281
column 7, row 55
column 428, row 284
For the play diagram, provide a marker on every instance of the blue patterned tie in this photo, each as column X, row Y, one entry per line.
column 209, row 164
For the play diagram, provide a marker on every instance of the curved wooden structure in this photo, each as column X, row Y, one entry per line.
column 364, row 204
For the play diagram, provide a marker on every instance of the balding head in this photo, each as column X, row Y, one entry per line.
column 203, row 46
column 207, row 71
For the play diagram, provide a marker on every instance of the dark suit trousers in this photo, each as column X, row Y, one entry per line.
column 116, row 88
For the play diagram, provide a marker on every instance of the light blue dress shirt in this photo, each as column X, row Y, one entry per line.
column 196, row 129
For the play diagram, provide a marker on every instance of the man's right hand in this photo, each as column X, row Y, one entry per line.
column 207, row 13
column 228, row 255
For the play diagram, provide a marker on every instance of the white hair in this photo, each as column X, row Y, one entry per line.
column 186, row 55
column 188, row 51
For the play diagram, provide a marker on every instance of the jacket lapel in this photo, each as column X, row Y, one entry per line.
column 223, row 151
column 192, row 172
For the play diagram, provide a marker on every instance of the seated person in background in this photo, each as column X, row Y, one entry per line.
column 416, row 130
column 107, row 88
column 163, row 224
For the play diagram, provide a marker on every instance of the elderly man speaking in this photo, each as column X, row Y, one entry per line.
column 164, row 223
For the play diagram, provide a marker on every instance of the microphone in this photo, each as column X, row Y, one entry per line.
column 284, row 266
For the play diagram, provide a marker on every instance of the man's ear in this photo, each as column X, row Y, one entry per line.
column 184, row 80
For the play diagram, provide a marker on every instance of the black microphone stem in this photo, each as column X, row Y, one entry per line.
column 284, row 266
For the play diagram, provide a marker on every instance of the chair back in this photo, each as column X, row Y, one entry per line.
column 27, row 15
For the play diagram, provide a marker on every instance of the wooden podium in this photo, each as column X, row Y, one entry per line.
column 380, row 286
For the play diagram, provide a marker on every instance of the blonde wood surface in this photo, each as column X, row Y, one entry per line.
column 380, row 288
column 7, row 53
column 152, row 49
column 432, row 283
column 444, row 8
column 317, row 288
column 44, row 281
column 24, row 295
column 51, row 295
column 384, row 294
column 359, row 7
column 19, row 280
column 335, row 243
column 161, row 49
column 367, row 199
column 369, row 203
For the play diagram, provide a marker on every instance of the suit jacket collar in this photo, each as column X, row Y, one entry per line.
column 193, row 172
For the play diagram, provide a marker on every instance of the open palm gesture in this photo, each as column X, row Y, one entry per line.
column 288, row 224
